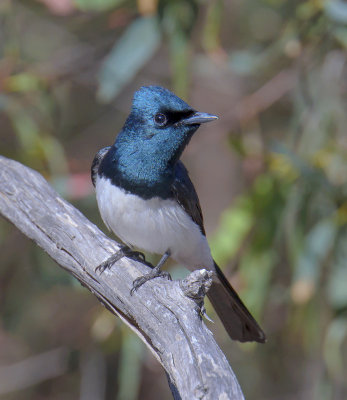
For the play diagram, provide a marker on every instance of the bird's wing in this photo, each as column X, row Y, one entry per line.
column 185, row 194
column 96, row 162
column 234, row 315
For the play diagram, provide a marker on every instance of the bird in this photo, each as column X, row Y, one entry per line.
column 146, row 197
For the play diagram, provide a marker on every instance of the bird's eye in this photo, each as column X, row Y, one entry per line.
column 160, row 119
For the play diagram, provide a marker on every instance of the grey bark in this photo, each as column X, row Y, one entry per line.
column 165, row 315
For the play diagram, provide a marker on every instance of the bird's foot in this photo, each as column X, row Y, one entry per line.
column 124, row 251
column 155, row 273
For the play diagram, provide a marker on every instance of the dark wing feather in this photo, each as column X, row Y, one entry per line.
column 185, row 194
column 234, row 315
column 96, row 163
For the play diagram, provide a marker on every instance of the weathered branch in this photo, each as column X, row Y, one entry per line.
column 164, row 314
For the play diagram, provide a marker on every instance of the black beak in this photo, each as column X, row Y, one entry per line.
column 198, row 118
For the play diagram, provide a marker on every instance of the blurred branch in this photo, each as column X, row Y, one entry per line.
column 33, row 370
column 273, row 90
column 164, row 314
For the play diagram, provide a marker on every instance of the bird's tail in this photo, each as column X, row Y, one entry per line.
column 234, row 315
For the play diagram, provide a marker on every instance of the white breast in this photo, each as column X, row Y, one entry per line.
column 153, row 225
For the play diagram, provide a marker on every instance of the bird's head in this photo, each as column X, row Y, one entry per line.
column 160, row 123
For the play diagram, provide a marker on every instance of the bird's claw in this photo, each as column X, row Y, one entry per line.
column 155, row 273
column 124, row 251
column 104, row 265
column 107, row 264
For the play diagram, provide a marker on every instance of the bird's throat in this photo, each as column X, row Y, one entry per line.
column 138, row 174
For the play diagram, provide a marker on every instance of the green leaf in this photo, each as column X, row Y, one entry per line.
column 235, row 223
column 129, row 370
column 336, row 285
column 128, row 56
column 333, row 354
column 337, row 291
column 255, row 271
column 340, row 34
column 97, row 5
column 318, row 243
column 211, row 34
column 23, row 82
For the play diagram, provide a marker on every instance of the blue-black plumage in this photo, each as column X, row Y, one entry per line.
column 141, row 179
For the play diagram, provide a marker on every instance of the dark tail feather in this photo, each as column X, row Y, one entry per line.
column 234, row 315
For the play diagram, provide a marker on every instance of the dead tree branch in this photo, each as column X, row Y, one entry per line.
column 164, row 314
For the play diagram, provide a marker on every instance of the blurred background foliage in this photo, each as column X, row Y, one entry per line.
column 271, row 175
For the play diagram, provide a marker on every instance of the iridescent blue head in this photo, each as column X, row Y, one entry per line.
column 144, row 155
